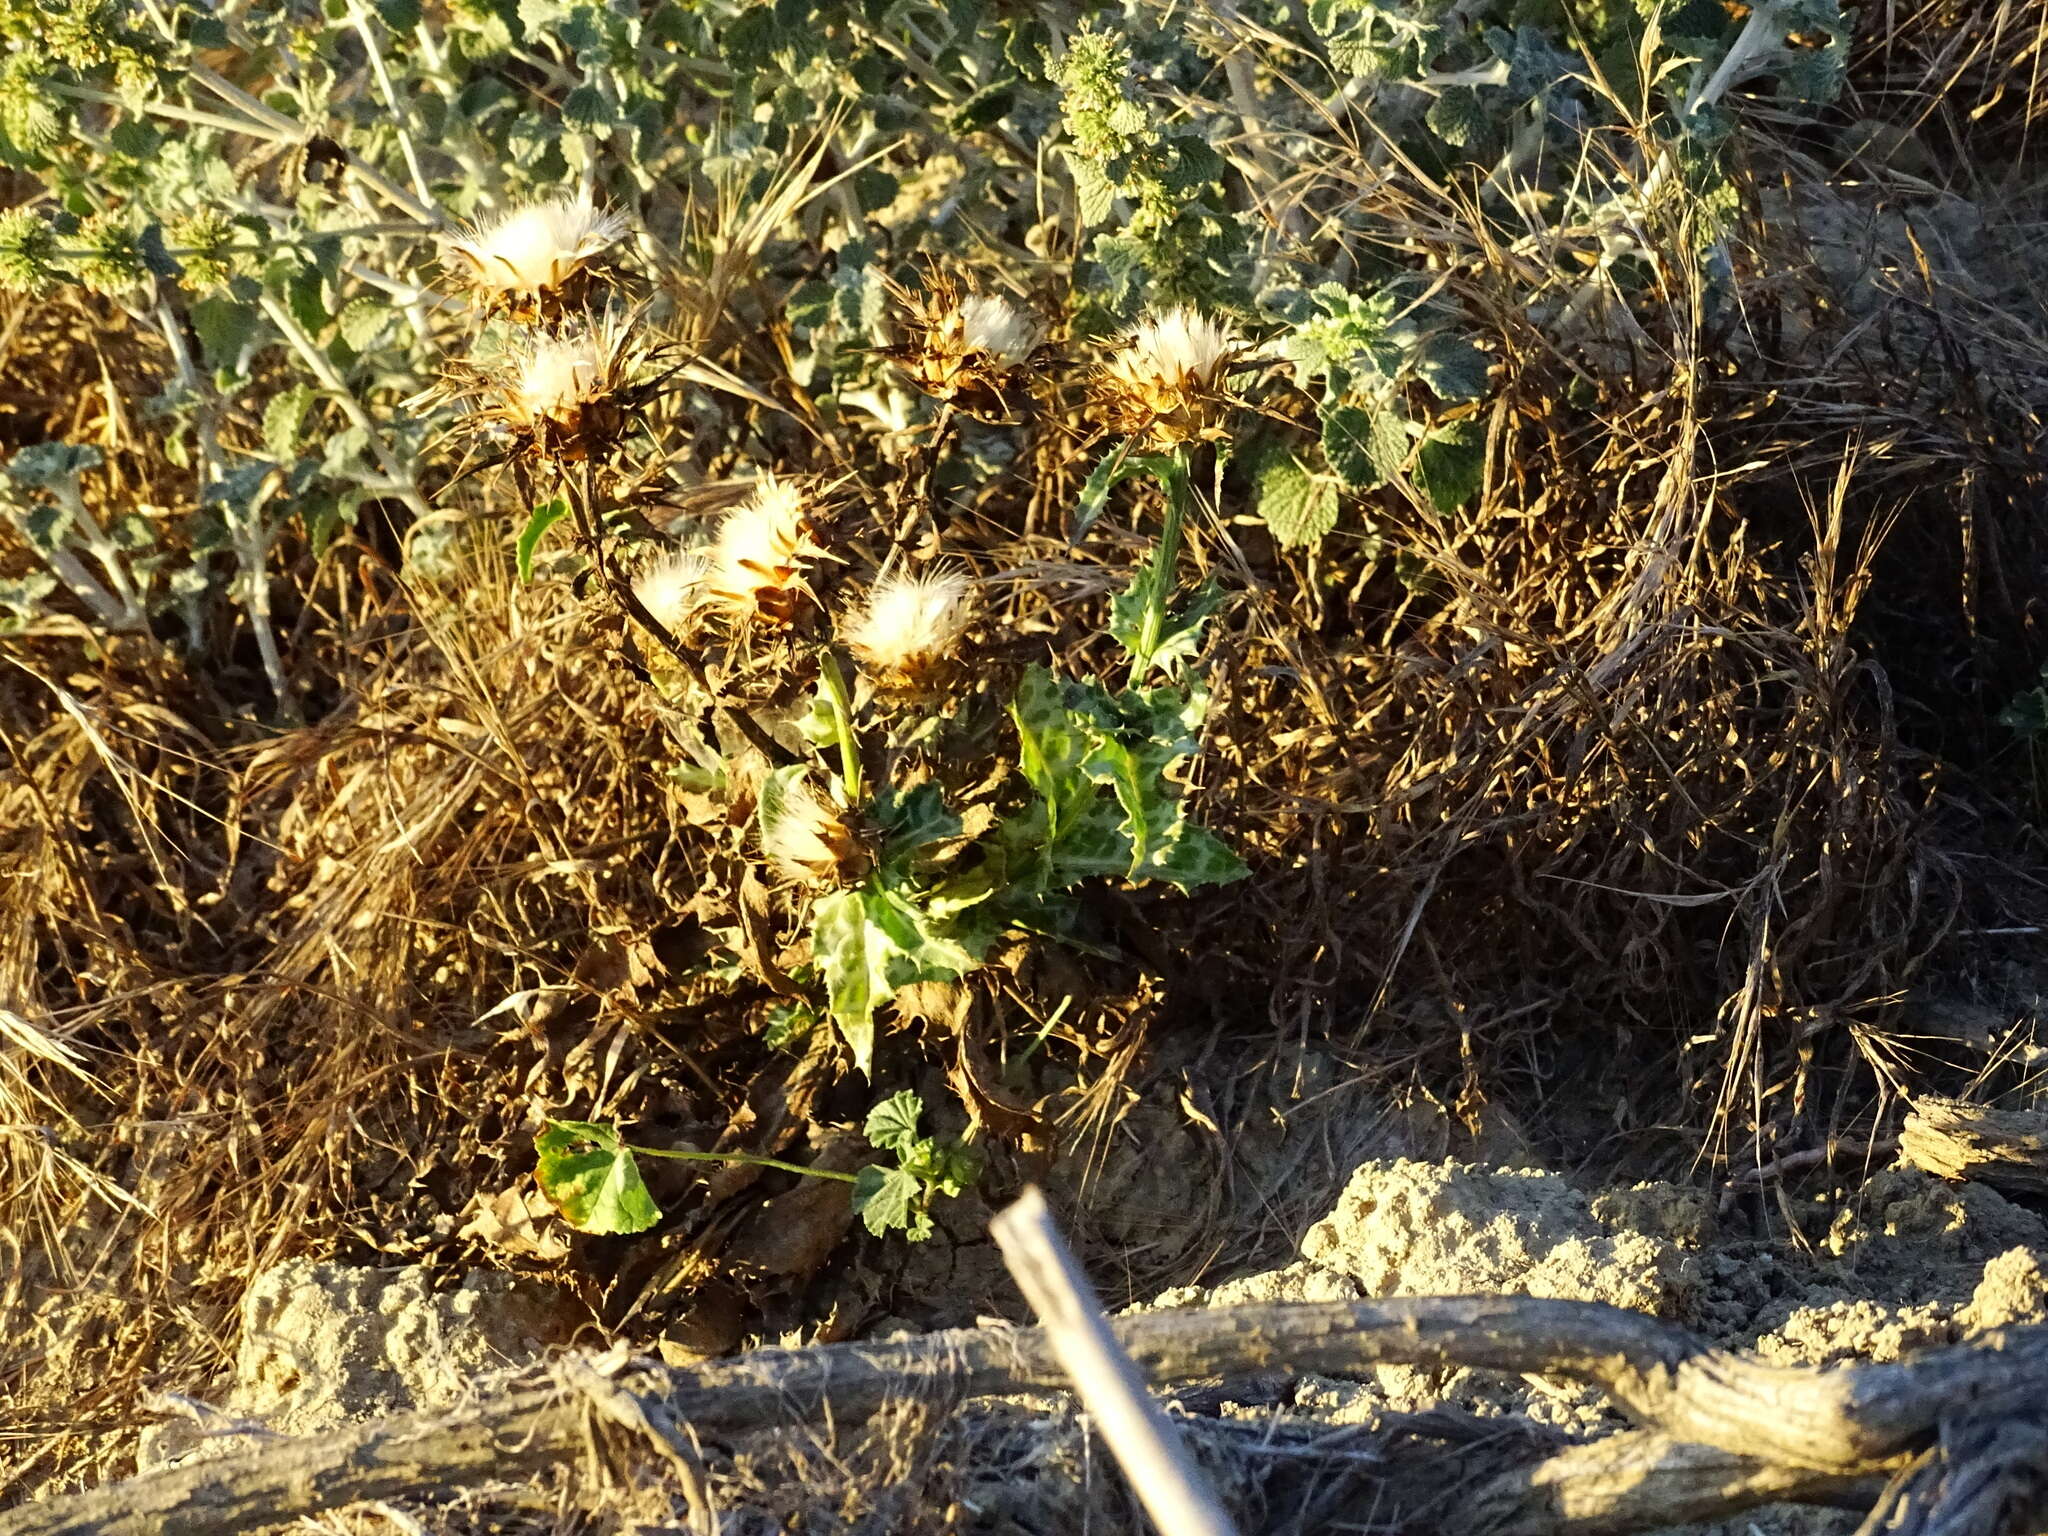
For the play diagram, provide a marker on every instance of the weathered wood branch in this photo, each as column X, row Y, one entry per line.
column 2005, row 1148
column 1722, row 1433
column 1154, row 1458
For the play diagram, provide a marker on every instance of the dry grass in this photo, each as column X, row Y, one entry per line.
column 1614, row 768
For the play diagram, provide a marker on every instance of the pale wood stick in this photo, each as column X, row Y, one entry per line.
column 1145, row 1443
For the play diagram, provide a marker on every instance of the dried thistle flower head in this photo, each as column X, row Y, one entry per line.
column 1166, row 383
column 803, row 837
column 556, row 376
column 762, row 557
column 969, row 350
column 993, row 328
column 908, row 632
column 562, row 395
column 672, row 589
column 536, row 256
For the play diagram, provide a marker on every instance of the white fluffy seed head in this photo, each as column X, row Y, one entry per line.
column 911, row 623
column 1166, row 383
column 805, row 839
column 538, row 247
column 672, row 589
column 994, row 325
column 556, row 375
column 763, row 553
column 1182, row 349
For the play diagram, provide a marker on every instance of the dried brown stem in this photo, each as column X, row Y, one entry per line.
column 1725, row 1433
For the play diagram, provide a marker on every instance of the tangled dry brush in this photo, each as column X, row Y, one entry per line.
column 1675, row 750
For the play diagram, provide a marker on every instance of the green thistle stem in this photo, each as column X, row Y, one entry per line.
column 833, row 681
column 1177, row 479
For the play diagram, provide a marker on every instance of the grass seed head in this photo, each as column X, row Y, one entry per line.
column 534, row 258
column 762, row 558
column 908, row 632
column 1167, row 381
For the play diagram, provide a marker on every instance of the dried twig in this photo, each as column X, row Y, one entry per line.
column 1168, row 1483
column 2006, row 1148
column 1728, row 1433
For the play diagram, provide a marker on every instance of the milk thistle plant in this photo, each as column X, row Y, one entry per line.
column 903, row 858
column 871, row 812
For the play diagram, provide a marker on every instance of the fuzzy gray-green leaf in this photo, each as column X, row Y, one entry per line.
column 1366, row 445
column 1298, row 506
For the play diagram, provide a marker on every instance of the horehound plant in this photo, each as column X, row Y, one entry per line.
column 901, row 857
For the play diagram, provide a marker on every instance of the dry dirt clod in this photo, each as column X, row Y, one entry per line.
column 326, row 1344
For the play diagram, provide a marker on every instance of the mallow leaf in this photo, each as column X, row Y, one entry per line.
column 588, row 1174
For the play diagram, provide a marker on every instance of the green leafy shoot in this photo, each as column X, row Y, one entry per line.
column 899, row 1198
column 1155, row 635
column 588, row 1174
column 1112, row 470
column 1099, row 761
column 871, row 940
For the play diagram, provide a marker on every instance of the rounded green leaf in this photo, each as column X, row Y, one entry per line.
column 588, row 1174
column 1298, row 506
column 1365, row 445
column 892, row 1124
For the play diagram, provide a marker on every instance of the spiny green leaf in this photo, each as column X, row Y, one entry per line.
column 923, row 948
column 588, row 1174
column 1115, row 467
column 1179, row 634
column 1151, row 813
column 870, row 941
column 914, row 820
column 1050, row 749
column 544, row 517
column 787, row 1023
column 840, row 945
column 1198, row 857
